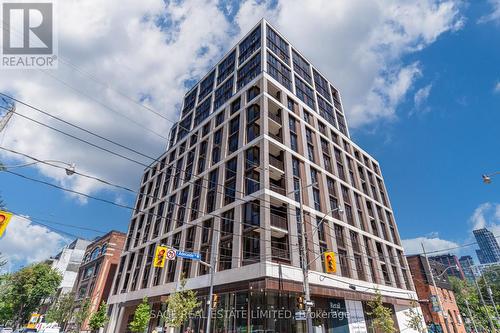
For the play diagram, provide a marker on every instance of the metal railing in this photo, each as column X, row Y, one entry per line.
column 275, row 117
column 279, row 222
column 276, row 162
column 278, row 189
column 282, row 254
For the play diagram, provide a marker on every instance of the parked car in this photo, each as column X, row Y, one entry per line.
column 26, row 330
column 5, row 330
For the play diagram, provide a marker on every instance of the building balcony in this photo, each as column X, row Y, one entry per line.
column 280, row 254
column 278, row 189
column 279, row 222
column 276, row 162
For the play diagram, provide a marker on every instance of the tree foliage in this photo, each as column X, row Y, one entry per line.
column 180, row 305
column 24, row 290
column 99, row 318
column 415, row 318
column 142, row 316
column 80, row 316
column 467, row 292
column 61, row 309
column 382, row 316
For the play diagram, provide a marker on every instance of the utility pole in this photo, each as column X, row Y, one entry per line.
column 305, row 265
column 483, row 303
column 211, row 266
column 470, row 316
column 441, row 309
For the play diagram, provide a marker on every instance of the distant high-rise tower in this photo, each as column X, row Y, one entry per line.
column 467, row 262
column 489, row 251
column 451, row 260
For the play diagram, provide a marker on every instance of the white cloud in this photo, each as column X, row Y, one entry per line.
column 496, row 89
column 495, row 13
column 358, row 45
column 25, row 243
column 422, row 95
column 486, row 215
column 432, row 244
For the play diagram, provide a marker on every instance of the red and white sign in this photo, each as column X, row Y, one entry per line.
column 171, row 254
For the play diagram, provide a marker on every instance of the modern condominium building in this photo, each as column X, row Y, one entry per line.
column 489, row 250
column 262, row 130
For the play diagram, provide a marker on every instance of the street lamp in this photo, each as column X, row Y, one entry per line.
column 487, row 178
column 68, row 167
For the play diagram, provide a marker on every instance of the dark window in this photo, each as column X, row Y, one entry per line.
column 235, row 105
column 223, row 93
column 252, row 175
column 326, row 111
column 202, row 112
column 301, row 67
column 279, row 71
column 207, row 85
column 249, row 45
column 249, row 71
column 252, row 93
column 226, row 67
column 251, row 247
column 195, row 202
column 293, row 142
column 253, row 128
column 202, row 156
column 219, row 119
column 212, row 190
column 342, row 125
column 322, row 85
column 234, row 126
column 305, row 93
column 227, row 223
column 230, row 182
column 278, row 45
column 189, row 101
column 217, row 146
column 251, row 214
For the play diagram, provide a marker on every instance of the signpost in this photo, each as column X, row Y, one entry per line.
column 188, row 255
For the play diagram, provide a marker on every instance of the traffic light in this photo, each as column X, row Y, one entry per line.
column 4, row 220
column 160, row 256
column 215, row 300
column 301, row 303
column 330, row 263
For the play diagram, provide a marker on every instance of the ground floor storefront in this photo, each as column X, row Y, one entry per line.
column 266, row 307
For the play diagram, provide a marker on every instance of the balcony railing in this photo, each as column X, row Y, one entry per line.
column 275, row 117
column 280, row 254
column 276, row 162
column 279, row 222
column 278, row 189
column 276, row 137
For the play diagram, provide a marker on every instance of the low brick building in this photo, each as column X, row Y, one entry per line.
column 97, row 271
column 421, row 276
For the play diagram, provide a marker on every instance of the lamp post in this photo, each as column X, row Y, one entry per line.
column 441, row 309
column 303, row 254
column 68, row 167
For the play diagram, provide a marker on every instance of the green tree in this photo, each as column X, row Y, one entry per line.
column 180, row 305
column 6, row 305
column 382, row 316
column 26, row 288
column 142, row 317
column 99, row 318
column 467, row 292
column 415, row 319
column 61, row 309
column 82, row 314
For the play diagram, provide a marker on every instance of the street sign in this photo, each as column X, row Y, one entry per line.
column 4, row 220
column 188, row 255
column 171, row 254
column 310, row 303
column 300, row 315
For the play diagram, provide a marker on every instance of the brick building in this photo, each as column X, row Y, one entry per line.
column 97, row 270
column 420, row 271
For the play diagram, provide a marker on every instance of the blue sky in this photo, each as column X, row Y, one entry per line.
column 432, row 148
